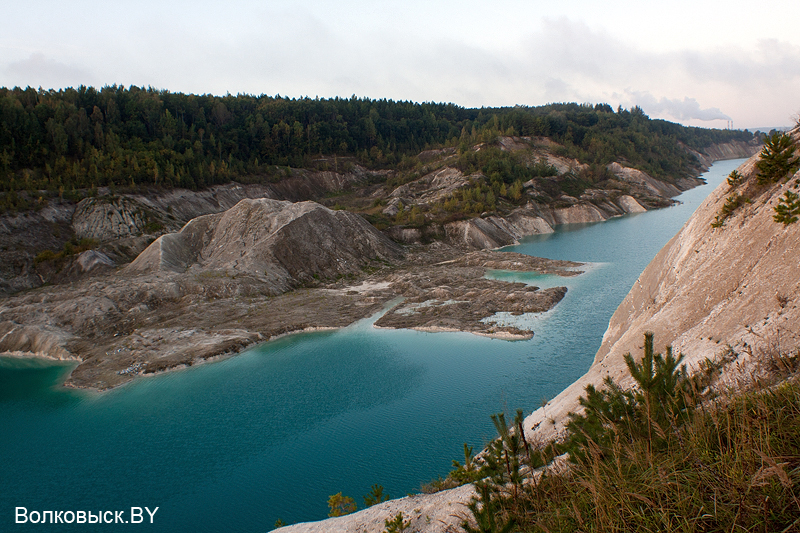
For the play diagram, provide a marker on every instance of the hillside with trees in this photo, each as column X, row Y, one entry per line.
column 72, row 141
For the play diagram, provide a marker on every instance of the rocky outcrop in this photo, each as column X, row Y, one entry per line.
column 91, row 259
column 432, row 187
column 494, row 231
column 176, row 252
column 644, row 182
column 405, row 235
column 21, row 339
column 280, row 243
column 629, row 204
column 578, row 214
column 109, row 218
column 23, row 236
column 526, row 222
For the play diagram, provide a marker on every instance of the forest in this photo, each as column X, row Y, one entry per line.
column 70, row 141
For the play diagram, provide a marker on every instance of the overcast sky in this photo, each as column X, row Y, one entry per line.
column 694, row 62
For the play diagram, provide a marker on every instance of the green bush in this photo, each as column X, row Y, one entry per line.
column 396, row 524
column 46, row 255
column 375, row 496
column 663, row 396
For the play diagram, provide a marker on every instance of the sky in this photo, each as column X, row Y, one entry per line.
column 700, row 63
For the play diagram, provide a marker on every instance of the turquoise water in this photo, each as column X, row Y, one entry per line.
column 234, row 445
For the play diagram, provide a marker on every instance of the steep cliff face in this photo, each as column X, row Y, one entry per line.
column 729, row 150
column 732, row 289
column 276, row 242
column 644, row 182
column 485, row 233
column 716, row 286
column 24, row 235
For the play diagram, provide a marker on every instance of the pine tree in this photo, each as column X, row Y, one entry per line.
column 375, row 496
column 341, row 505
column 788, row 210
column 777, row 158
column 734, row 179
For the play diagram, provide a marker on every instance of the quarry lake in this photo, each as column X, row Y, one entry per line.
column 269, row 434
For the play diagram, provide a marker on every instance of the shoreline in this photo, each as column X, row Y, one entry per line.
column 39, row 356
column 205, row 360
column 20, row 355
column 500, row 335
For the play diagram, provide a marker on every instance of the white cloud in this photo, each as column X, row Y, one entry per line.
column 755, row 87
column 41, row 71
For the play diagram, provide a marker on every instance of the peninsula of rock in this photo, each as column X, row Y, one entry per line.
column 260, row 269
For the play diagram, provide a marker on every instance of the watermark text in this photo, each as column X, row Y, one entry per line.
column 137, row 515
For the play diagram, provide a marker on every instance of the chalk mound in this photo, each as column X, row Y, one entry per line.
column 282, row 243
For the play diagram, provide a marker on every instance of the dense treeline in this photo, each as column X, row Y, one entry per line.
column 83, row 138
column 597, row 135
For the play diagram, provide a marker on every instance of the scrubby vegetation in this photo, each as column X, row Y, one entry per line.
column 501, row 166
column 732, row 203
column 665, row 455
column 734, row 179
column 340, row 505
column 396, row 524
column 71, row 247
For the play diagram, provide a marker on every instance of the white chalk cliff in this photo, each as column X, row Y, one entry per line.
column 709, row 288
